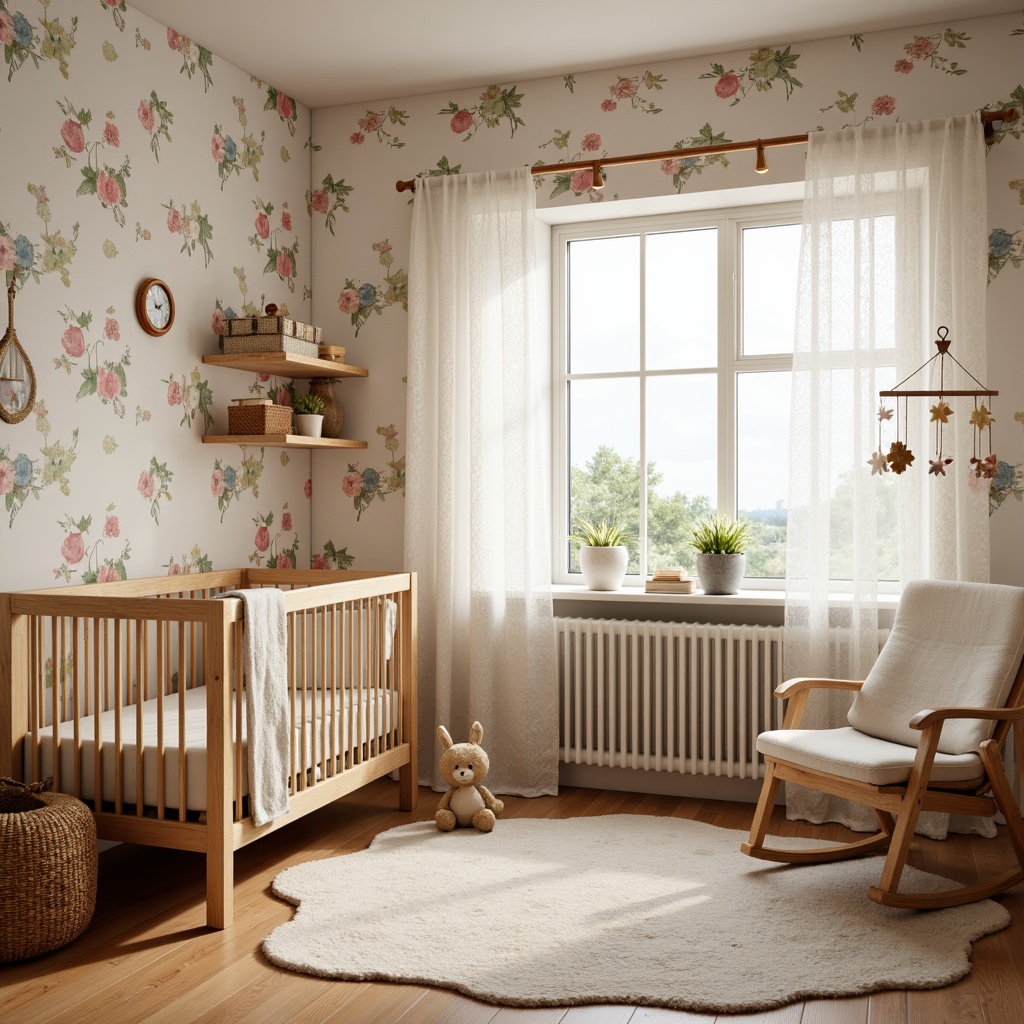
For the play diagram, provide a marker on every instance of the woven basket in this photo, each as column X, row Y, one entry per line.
column 250, row 343
column 48, row 867
column 260, row 419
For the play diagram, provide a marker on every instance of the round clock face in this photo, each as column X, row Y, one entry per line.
column 154, row 307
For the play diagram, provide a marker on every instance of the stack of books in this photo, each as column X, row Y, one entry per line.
column 669, row 581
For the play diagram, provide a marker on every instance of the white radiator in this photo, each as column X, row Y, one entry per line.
column 667, row 696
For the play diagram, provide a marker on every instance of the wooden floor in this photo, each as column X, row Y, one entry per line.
column 147, row 956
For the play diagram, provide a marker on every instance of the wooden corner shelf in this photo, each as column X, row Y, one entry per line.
column 282, row 441
column 285, row 364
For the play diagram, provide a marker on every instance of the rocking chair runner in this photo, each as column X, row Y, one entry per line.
column 926, row 733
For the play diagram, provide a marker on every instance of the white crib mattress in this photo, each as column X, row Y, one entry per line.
column 377, row 708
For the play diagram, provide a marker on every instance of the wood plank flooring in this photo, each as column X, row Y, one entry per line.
column 147, row 955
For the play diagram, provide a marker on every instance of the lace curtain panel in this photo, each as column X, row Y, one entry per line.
column 893, row 246
column 477, row 527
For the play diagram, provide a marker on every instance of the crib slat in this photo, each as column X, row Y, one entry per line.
column 161, row 676
column 118, row 731
column 186, row 651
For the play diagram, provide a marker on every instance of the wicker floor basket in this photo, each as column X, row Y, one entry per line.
column 48, row 867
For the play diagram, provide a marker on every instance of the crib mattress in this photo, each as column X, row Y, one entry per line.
column 377, row 710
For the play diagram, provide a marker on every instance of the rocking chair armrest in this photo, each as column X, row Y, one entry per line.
column 931, row 716
column 799, row 684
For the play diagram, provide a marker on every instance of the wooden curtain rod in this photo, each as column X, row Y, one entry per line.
column 1009, row 115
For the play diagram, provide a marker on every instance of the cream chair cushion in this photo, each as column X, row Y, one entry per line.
column 952, row 645
column 855, row 755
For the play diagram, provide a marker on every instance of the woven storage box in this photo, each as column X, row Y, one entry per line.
column 246, row 325
column 269, row 343
column 48, row 868
column 259, row 419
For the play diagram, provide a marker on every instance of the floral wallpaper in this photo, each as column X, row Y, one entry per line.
column 360, row 224
column 133, row 151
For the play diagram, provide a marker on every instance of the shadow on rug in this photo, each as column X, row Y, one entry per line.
column 623, row 908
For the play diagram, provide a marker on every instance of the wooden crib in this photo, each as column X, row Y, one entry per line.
column 130, row 694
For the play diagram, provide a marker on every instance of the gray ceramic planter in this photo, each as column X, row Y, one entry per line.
column 721, row 574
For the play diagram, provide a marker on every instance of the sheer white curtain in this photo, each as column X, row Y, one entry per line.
column 893, row 247
column 477, row 481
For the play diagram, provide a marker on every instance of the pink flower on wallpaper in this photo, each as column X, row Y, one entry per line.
column 107, row 188
column 921, row 48
column 73, row 341
column 147, row 488
column 6, row 28
column 262, row 540
column 286, row 220
column 174, row 393
column 624, row 89
column 370, row 123
column 263, row 226
column 357, row 138
column 319, row 201
column 307, row 488
column 904, row 67
column 73, row 548
column 284, row 561
column 318, row 562
column 582, row 180
column 175, row 569
column 282, row 397
column 107, row 574
column 217, row 483
column 173, row 221
column 217, row 148
column 173, row 39
column 284, row 265
column 462, row 122
column 111, row 329
column 726, row 86
column 73, row 136
column 348, row 301
column 591, row 141
column 7, row 253
column 352, row 484
column 285, row 106
column 286, row 521
column 217, row 321
column 263, row 377
column 609, row 105
column 112, row 3
column 111, row 527
column 111, row 135
column 146, row 117
column 883, row 105
column 671, row 166
column 108, row 384
column 7, row 472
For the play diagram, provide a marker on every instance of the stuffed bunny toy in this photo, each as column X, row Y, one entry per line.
column 464, row 766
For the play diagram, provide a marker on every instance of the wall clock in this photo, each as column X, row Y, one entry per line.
column 154, row 307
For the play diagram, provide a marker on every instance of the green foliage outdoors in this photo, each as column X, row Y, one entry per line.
column 309, row 405
column 720, row 535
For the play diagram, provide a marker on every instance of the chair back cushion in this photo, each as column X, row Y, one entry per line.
column 952, row 645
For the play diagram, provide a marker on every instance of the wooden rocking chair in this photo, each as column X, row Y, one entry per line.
column 926, row 733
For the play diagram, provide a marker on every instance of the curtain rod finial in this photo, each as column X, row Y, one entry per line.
column 761, row 166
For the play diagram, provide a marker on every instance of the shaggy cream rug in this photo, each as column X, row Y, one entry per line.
column 621, row 908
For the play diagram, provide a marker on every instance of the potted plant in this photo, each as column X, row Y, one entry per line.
column 721, row 561
column 309, row 418
column 603, row 553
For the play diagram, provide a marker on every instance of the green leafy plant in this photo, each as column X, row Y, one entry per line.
column 719, row 535
column 309, row 405
column 604, row 534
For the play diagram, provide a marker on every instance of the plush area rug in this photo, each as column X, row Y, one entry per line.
column 621, row 908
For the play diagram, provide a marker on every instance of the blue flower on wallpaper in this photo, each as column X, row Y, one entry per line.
column 229, row 314
column 1003, row 477
column 367, row 293
column 371, row 479
column 24, row 254
column 999, row 242
column 22, row 30
column 22, row 471
column 229, row 478
column 230, row 149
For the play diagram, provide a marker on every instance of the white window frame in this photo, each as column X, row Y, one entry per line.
column 730, row 222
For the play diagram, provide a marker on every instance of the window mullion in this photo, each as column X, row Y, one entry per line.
column 643, row 408
column 728, row 341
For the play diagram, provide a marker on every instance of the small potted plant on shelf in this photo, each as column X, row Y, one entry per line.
column 603, row 552
column 309, row 415
column 721, row 559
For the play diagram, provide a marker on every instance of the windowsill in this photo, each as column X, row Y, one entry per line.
column 745, row 598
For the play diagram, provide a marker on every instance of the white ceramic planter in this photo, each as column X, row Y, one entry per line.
column 721, row 574
column 603, row 568
column 308, row 425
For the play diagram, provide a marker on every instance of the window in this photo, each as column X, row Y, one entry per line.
column 674, row 355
